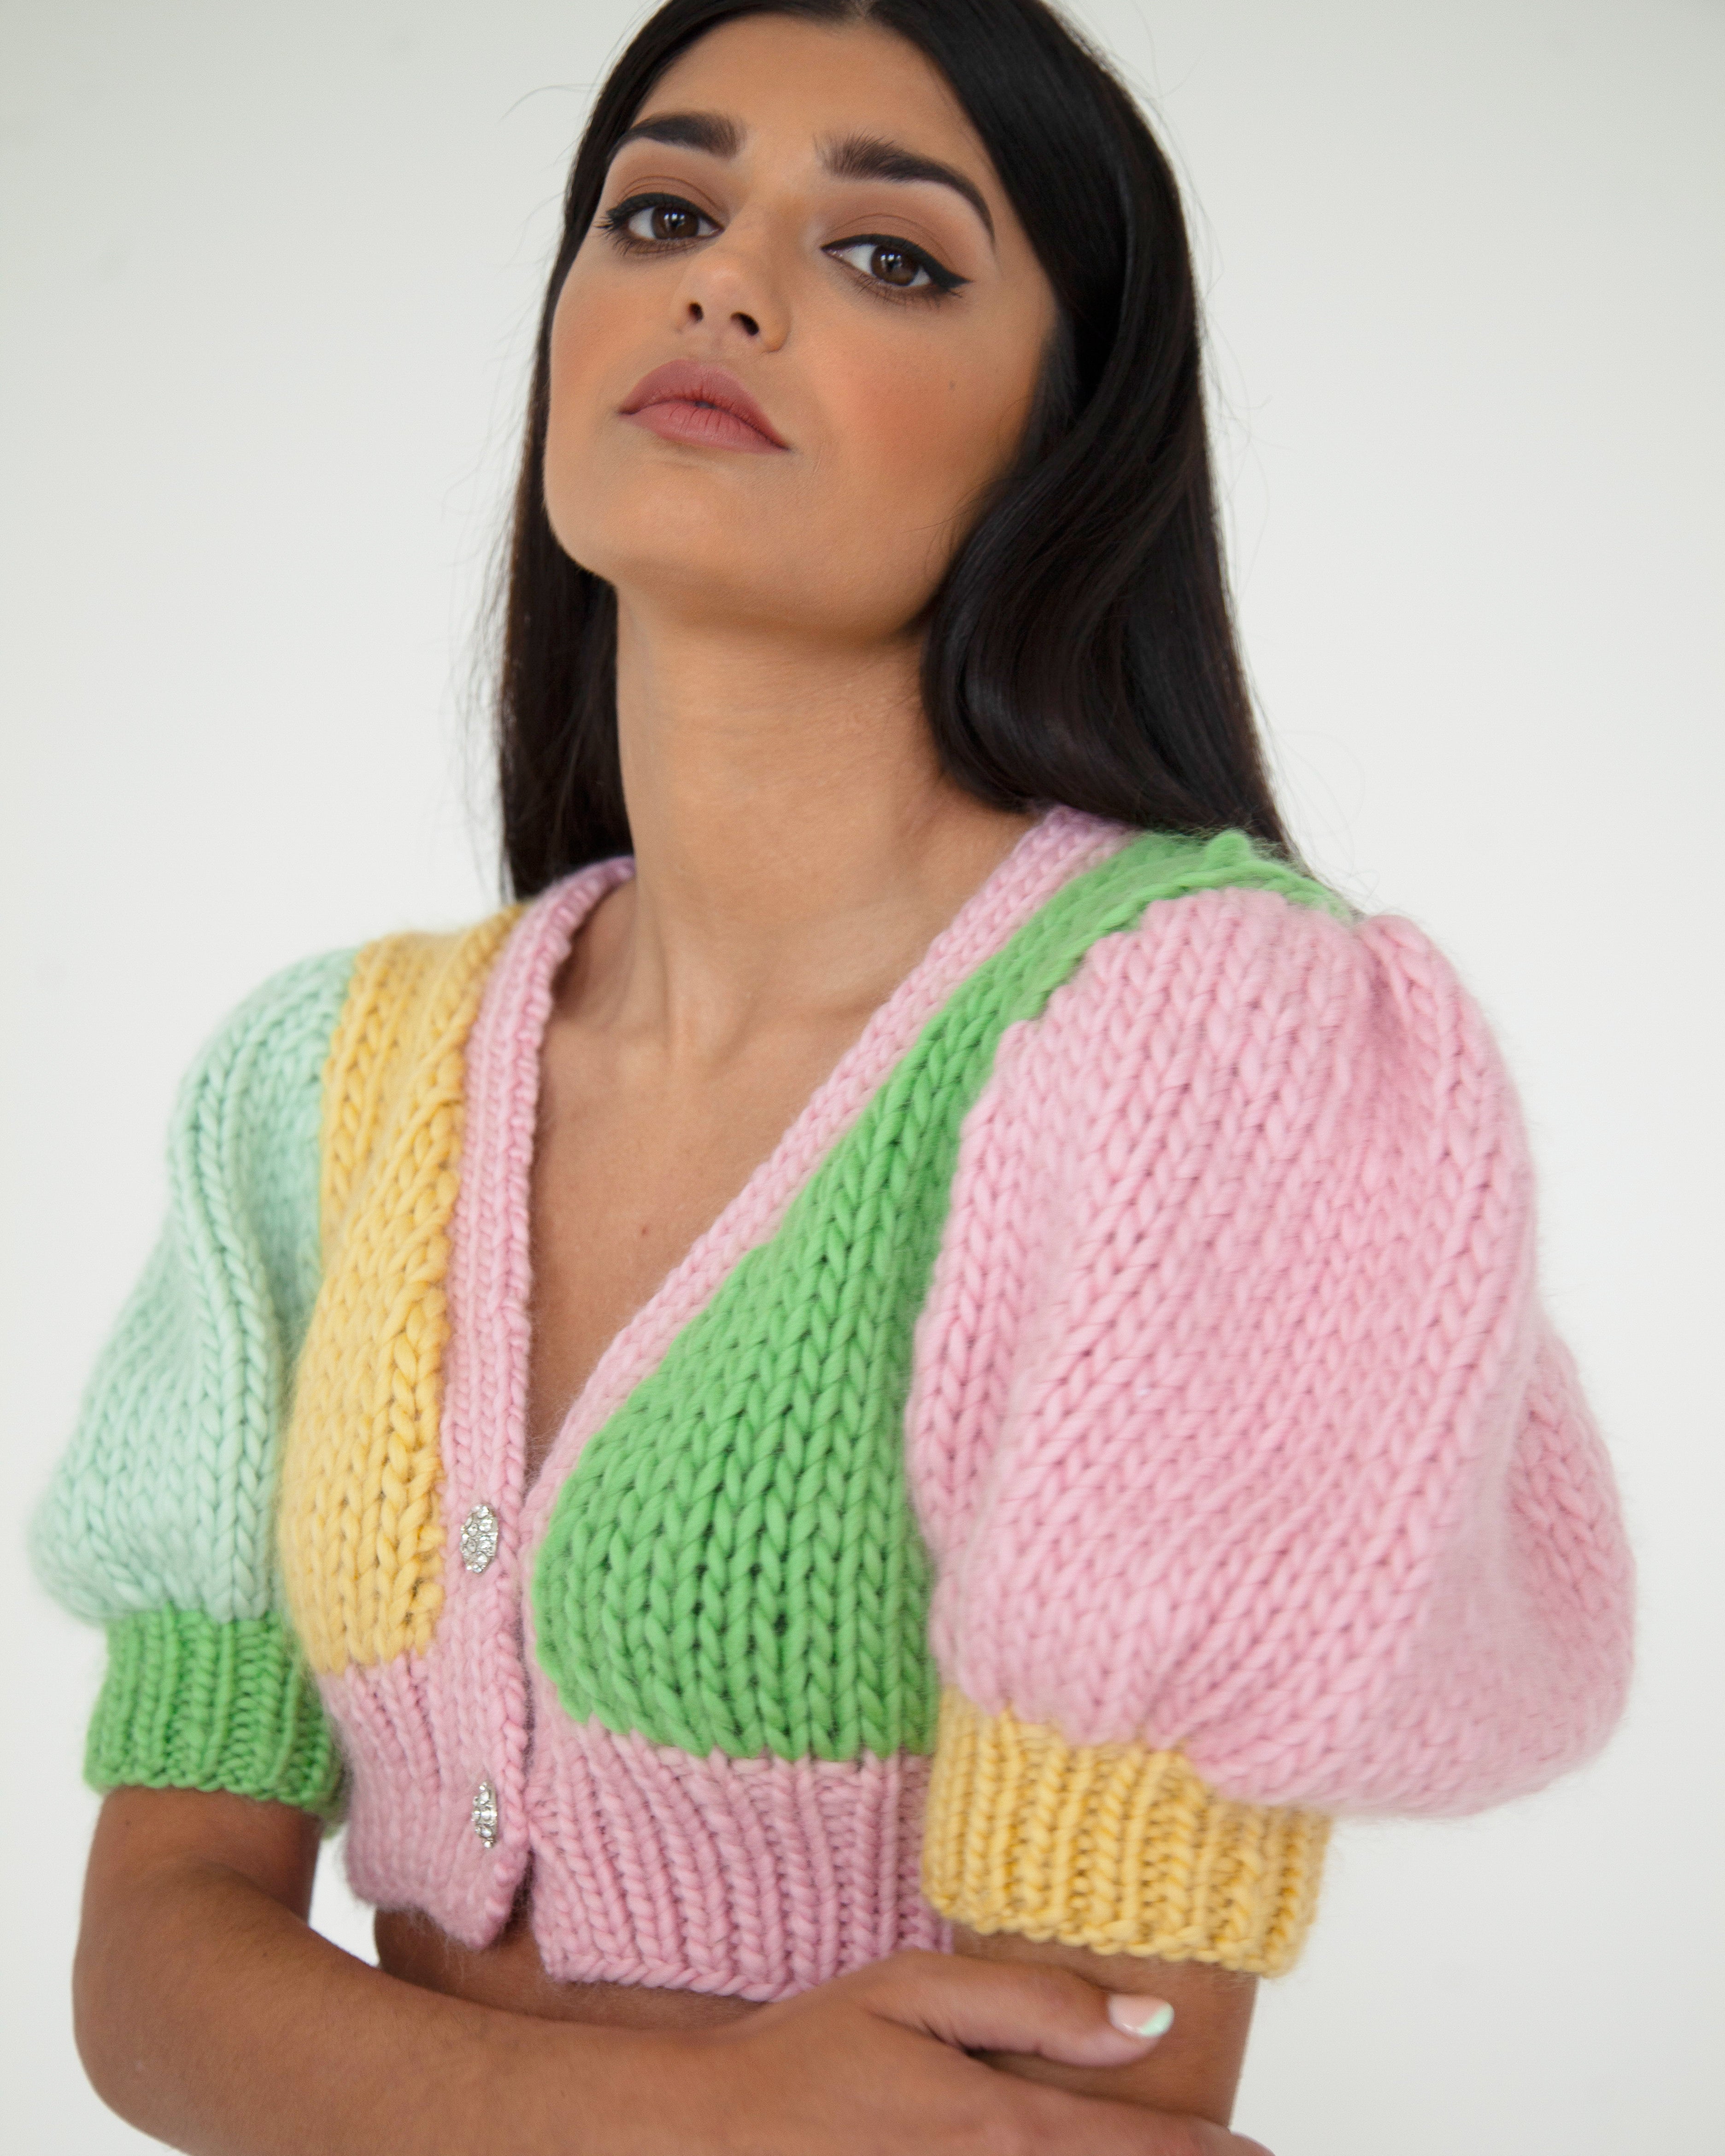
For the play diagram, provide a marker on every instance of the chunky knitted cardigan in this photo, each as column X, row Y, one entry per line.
column 1114, row 1431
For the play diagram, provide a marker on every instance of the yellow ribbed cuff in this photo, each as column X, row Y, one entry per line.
column 1110, row 1847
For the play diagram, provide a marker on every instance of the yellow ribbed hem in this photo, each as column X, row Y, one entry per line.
column 1110, row 1847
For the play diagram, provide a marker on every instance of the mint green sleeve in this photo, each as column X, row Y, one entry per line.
column 158, row 1522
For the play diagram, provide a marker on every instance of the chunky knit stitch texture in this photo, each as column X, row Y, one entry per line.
column 361, row 1534
column 190, row 1704
column 733, row 1566
column 1111, row 1846
column 1241, row 1274
column 1116, row 1431
column 160, row 1520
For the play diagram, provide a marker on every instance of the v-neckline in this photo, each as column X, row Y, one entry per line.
column 490, row 1268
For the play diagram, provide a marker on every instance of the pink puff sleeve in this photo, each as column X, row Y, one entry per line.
column 1258, row 1486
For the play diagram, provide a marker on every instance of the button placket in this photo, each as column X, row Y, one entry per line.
column 489, row 1313
column 478, row 1543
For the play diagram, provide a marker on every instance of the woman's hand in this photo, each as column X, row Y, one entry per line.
column 874, row 2064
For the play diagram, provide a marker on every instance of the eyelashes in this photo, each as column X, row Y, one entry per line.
column 911, row 268
column 658, row 211
column 892, row 268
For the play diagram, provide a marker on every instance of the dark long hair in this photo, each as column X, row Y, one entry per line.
column 1080, row 647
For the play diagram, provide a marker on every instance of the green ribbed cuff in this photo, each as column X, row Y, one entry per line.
column 190, row 1704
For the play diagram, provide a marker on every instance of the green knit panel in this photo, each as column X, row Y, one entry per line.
column 734, row 1563
column 190, row 1704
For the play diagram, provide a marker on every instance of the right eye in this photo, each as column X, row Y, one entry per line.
column 657, row 221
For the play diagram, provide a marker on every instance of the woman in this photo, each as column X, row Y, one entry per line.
column 869, row 1414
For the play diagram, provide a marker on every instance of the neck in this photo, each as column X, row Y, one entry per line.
column 796, row 844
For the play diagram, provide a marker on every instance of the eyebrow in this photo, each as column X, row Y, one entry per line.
column 855, row 157
column 711, row 131
column 869, row 157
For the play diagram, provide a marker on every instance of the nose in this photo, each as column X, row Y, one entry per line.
column 746, row 323
column 730, row 286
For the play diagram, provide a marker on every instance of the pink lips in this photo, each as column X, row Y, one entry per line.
column 688, row 401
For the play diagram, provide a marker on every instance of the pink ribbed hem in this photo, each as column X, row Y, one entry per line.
column 753, row 1877
column 410, row 1843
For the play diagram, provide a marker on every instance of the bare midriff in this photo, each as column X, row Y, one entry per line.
column 509, row 1974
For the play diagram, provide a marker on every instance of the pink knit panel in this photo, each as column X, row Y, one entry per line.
column 1237, row 1424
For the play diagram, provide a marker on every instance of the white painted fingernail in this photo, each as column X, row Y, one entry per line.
column 1139, row 2016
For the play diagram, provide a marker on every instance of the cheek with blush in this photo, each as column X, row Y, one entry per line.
column 926, row 446
column 577, row 483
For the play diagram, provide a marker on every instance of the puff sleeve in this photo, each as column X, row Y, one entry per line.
column 157, row 1522
column 1258, row 1486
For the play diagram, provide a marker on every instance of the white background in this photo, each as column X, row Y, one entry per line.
column 269, row 273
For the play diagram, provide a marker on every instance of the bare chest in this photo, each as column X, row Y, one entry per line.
column 631, row 1166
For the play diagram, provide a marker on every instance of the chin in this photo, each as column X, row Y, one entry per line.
column 656, row 528
column 691, row 564
column 676, row 551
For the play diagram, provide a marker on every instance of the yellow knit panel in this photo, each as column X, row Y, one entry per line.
column 361, row 1532
column 1110, row 1847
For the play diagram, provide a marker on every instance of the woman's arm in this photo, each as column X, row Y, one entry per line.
column 210, row 2015
column 1195, row 2069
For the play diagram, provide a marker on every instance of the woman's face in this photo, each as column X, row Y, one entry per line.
column 803, row 222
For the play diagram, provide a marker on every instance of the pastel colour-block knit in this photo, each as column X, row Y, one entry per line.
column 1115, row 1432
column 160, row 1521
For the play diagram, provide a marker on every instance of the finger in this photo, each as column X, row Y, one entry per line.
column 1034, row 2007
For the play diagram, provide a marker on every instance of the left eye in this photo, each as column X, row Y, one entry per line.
column 887, row 261
column 666, row 220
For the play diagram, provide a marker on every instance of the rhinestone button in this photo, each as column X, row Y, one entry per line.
column 484, row 1813
column 479, row 1538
